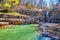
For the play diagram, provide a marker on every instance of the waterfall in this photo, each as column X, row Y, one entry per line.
column 47, row 14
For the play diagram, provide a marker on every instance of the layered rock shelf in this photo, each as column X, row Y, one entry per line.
column 4, row 24
column 14, row 19
column 51, row 30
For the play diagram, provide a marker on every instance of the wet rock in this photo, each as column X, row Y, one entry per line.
column 51, row 30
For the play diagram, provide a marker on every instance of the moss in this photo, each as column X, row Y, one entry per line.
column 13, row 13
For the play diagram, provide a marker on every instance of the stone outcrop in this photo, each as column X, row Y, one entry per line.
column 14, row 19
column 51, row 30
column 4, row 24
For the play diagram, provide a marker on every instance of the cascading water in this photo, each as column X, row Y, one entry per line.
column 46, row 16
column 46, row 19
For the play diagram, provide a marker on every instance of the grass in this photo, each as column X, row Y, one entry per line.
column 18, row 32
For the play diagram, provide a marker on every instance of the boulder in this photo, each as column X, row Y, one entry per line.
column 4, row 24
column 50, row 29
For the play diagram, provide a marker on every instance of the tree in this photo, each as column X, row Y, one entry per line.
column 0, row 0
column 28, row 5
column 41, row 3
column 14, row 1
column 7, row 5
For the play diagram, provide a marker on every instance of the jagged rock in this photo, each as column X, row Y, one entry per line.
column 51, row 30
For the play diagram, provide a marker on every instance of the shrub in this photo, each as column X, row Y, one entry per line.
column 5, row 10
column 28, row 5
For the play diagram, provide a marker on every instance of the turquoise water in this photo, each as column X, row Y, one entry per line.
column 40, row 37
column 45, row 38
column 21, row 32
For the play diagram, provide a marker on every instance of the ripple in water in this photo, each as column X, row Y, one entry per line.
column 40, row 37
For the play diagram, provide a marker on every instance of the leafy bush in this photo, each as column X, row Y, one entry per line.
column 28, row 5
column 14, row 1
column 7, row 5
column 5, row 10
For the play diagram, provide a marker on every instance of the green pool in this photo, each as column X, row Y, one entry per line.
column 18, row 32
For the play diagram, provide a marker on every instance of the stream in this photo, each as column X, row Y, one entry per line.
column 46, row 18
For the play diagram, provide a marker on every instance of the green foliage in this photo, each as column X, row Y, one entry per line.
column 14, row 1
column 0, row 4
column 14, row 13
column 28, row 5
column 7, row 5
column 5, row 10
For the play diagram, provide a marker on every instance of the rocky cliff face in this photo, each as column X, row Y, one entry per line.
column 15, row 19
